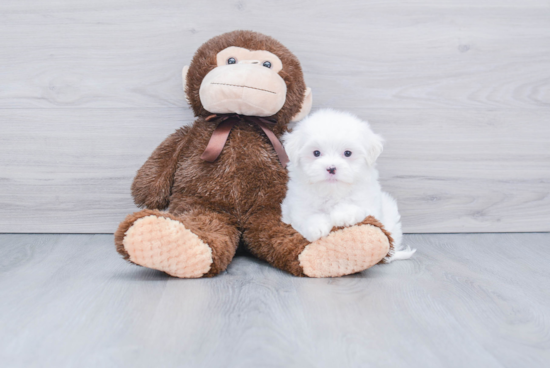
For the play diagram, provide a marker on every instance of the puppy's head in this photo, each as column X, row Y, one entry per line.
column 332, row 146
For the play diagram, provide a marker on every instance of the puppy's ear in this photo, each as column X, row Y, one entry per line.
column 374, row 145
column 292, row 143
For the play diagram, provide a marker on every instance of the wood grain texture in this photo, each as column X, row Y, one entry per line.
column 394, row 54
column 70, row 170
column 460, row 90
column 463, row 301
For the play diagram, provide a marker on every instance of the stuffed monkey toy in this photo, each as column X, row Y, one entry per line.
column 221, row 181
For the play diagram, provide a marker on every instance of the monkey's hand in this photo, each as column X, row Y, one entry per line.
column 152, row 185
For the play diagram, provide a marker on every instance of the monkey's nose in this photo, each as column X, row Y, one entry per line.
column 331, row 170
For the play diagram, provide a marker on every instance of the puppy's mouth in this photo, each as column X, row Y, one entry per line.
column 237, row 85
column 332, row 179
column 338, row 179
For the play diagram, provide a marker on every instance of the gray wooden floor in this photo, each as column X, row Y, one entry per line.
column 464, row 301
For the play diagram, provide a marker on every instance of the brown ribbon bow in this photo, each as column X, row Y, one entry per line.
column 226, row 123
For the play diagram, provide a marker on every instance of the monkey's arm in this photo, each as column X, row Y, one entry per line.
column 152, row 185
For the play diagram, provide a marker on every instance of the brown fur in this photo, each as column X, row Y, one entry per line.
column 239, row 195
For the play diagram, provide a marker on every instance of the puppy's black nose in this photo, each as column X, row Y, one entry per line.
column 331, row 170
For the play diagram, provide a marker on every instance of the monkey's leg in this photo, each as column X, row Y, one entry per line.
column 344, row 251
column 198, row 243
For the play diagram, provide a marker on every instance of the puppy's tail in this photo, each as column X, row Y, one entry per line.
column 392, row 222
column 400, row 254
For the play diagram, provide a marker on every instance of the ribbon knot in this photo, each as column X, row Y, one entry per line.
column 227, row 122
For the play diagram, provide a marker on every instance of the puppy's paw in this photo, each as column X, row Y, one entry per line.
column 313, row 232
column 347, row 215
column 316, row 227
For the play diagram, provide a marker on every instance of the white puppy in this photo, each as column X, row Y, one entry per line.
column 333, row 178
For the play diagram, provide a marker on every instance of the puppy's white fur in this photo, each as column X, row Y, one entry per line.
column 333, row 189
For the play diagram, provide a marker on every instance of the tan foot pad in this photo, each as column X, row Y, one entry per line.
column 166, row 245
column 344, row 252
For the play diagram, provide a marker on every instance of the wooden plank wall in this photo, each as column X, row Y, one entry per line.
column 460, row 90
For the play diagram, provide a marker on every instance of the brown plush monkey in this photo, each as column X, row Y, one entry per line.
column 223, row 178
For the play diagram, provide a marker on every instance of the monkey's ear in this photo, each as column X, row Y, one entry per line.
column 306, row 106
column 184, row 79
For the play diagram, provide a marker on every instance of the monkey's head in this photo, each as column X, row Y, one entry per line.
column 247, row 73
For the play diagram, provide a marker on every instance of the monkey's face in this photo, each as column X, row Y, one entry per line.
column 244, row 82
column 247, row 73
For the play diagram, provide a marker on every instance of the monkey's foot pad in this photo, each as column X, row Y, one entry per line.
column 166, row 245
column 344, row 252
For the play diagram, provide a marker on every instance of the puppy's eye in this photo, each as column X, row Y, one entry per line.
column 316, row 153
column 347, row 153
column 267, row 64
column 231, row 60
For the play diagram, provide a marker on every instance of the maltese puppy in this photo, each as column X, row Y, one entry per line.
column 333, row 179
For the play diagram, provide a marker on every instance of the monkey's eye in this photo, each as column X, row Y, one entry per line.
column 316, row 153
column 231, row 61
column 267, row 64
column 347, row 153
